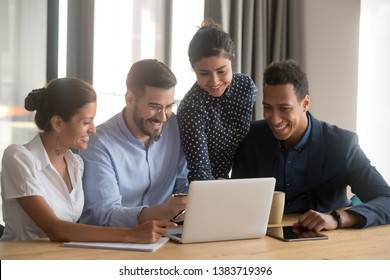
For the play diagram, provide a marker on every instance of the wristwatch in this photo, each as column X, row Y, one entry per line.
column 336, row 215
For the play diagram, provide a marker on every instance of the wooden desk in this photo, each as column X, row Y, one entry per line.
column 372, row 243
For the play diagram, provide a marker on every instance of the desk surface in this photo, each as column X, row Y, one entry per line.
column 371, row 243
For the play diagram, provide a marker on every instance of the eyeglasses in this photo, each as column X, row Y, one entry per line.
column 157, row 108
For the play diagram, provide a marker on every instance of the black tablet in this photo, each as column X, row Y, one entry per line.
column 290, row 233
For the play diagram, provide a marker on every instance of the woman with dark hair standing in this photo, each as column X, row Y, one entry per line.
column 41, row 181
column 215, row 114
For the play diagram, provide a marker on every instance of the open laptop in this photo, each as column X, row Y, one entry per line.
column 226, row 210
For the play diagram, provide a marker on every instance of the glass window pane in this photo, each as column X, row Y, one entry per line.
column 23, row 26
column 373, row 115
column 184, row 26
column 125, row 32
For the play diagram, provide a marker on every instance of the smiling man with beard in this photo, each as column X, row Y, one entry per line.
column 135, row 161
column 313, row 161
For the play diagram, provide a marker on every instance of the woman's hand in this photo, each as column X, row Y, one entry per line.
column 150, row 231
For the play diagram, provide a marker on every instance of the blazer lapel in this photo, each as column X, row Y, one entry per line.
column 317, row 150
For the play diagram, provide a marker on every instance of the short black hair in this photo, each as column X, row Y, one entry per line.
column 287, row 72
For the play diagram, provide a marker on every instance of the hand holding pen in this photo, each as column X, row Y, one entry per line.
column 182, row 211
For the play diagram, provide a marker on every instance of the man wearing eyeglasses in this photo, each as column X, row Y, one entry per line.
column 134, row 162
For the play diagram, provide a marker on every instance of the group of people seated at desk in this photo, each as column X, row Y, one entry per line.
column 120, row 186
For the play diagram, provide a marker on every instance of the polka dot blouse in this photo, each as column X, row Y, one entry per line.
column 211, row 128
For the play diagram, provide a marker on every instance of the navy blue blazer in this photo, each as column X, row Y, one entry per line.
column 335, row 161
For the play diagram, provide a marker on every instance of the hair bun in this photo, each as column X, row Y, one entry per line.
column 207, row 22
column 33, row 99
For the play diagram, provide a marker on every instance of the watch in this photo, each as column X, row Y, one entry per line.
column 336, row 215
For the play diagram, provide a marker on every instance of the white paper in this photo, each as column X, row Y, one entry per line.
column 119, row 245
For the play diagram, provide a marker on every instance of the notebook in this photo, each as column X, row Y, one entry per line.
column 228, row 209
column 119, row 245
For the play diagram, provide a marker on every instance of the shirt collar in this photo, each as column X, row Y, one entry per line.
column 305, row 137
column 36, row 147
column 42, row 159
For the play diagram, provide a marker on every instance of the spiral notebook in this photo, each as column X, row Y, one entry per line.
column 119, row 245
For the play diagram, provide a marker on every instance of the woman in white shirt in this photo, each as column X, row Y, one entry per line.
column 41, row 181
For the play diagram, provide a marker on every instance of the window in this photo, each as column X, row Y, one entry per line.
column 187, row 16
column 22, row 67
column 127, row 31
column 374, row 57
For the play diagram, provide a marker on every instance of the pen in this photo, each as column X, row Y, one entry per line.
column 179, row 194
column 177, row 215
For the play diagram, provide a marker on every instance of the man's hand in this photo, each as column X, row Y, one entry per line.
column 176, row 205
column 317, row 221
column 165, row 211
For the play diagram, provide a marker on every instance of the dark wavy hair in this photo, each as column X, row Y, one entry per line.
column 210, row 40
column 60, row 97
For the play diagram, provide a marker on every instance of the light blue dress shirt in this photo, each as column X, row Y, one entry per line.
column 121, row 176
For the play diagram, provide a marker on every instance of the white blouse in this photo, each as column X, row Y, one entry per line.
column 27, row 171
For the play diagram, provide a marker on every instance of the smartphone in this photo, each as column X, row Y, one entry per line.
column 290, row 233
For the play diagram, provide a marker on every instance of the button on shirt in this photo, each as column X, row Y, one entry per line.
column 212, row 127
column 27, row 171
column 122, row 176
column 291, row 168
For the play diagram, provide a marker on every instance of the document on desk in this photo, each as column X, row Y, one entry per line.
column 119, row 245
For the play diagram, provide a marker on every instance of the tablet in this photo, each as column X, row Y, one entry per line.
column 290, row 233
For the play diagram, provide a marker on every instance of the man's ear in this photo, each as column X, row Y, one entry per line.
column 56, row 123
column 129, row 97
column 306, row 103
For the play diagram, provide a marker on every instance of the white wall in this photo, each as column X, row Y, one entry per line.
column 330, row 58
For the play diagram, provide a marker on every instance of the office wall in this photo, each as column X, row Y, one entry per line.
column 331, row 41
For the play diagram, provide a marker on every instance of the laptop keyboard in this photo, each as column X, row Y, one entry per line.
column 177, row 235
